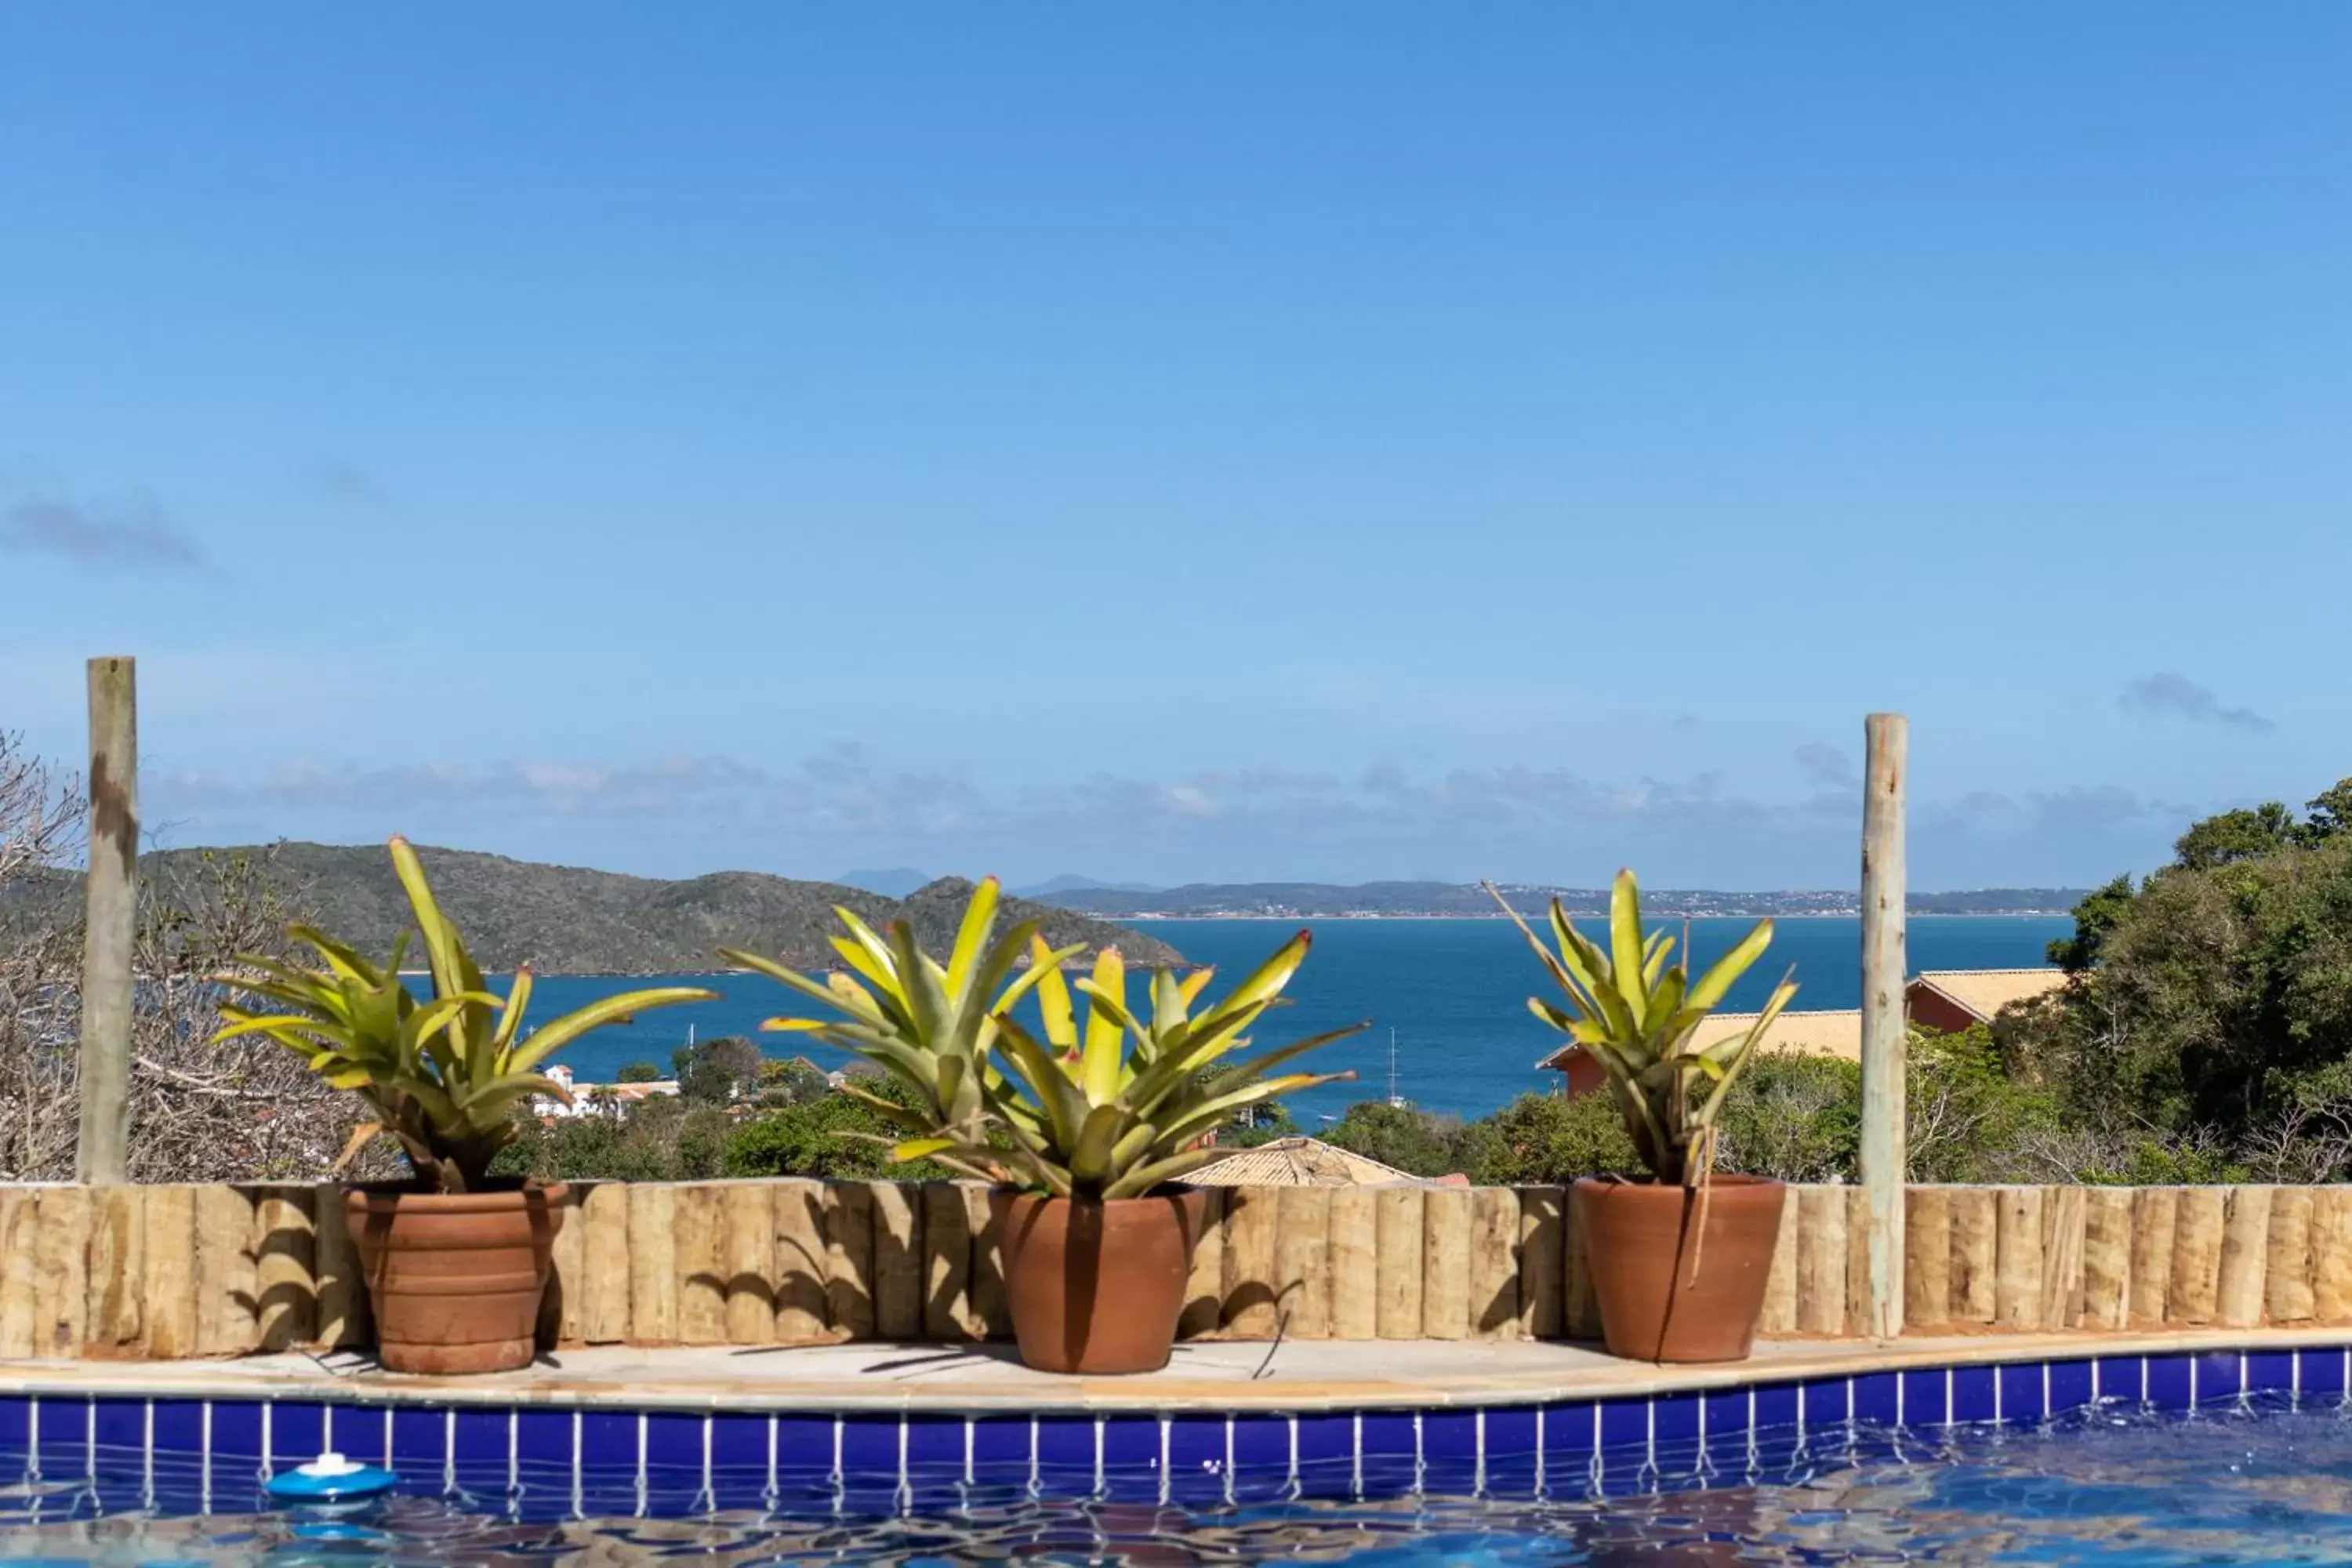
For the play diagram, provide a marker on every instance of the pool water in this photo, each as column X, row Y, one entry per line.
column 2251, row 1482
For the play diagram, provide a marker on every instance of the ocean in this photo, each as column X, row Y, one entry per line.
column 1455, row 992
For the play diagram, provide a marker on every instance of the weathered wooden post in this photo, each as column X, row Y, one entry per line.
column 111, row 911
column 1887, row 748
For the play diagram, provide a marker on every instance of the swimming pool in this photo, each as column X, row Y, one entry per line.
column 2230, row 1456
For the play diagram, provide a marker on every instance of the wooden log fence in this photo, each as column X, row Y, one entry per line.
column 171, row 1271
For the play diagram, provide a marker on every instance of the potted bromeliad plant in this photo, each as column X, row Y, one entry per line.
column 1083, row 1128
column 1679, row 1262
column 456, row 1259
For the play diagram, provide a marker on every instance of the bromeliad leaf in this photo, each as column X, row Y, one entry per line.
column 442, row 1073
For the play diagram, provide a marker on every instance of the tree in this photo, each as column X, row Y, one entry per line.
column 2094, row 917
column 1545, row 1139
column 1411, row 1141
column 2235, row 836
column 638, row 1072
column 716, row 1071
column 834, row 1135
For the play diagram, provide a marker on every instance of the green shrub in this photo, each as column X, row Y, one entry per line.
column 638, row 1072
column 1551, row 1139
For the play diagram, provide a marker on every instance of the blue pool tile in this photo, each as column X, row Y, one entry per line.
column 739, row 1439
column 1675, row 1419
column 179, row 1427
column 482, row 1437
column 2168, row 1382
column 1131, row 1458
column 13, row 1424
column 1449, row 1435
column 2218, row 1375
column 1624, row 1424
column 1510, row 1432
column 1924, row 1401
column 298, row 1433
column 869, row 1450
column 2270, row 1372
column 419, row 1436
column 544, row 1437
column 673, row 1441
column 1874, row 1397
column 2020, row 1392
column 237, row 1430
column 121, row 1425
column 1828, row 1402
column 935, row 1446
column 2070, row 1385
column 1262, row 1448
column 2323, row 1372
column 1727, row 1416
column 2118, row 1379
column 1567, row 1436
column 608, row 1442
column 1776, row 1405
column 1973, row 1395
column 1001, row 1447
column 1196, row 1458
column 1388, row 1434
column 65, row 1437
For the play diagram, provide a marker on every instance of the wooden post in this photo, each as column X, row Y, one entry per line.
column 1975, row 1268
column 111, row 891
column 563, row 1310
column 2196, row 1257
column 1302, row 1250
column 118, row 1270
column 1397, row 1262
column 1355, row 1254
column 898, row 1260
column 1927, row 1261
column 2245, row 1250
column 2016, row 1281
column 225, row 1271
column 1543, row 1262
column 1886, row 769
column 947, row 1263
column 1445, row 1263
column 605, row 1292
column 2107, row 1259
column 286, row 1283
column 61, row 1276
column 992, row 1311
column 2063, row 1223
column 1204, row 1289
column 2156, row 1213
column 750, row 1224
column 800, row 1261
column 171, row 1318
column 652, row 1263
column 2331, row 1255
column 342, row 1317
column 1781, row 1285
column 2286, row 1275
column 1821, row 1243
column 1253, row 1309
column 849, row 1258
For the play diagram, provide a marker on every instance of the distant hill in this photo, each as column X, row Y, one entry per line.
column 894, row 883
column 563, row 919
column 1293, row 900
column 1069, row 884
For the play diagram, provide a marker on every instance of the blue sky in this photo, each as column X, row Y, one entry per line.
column 1217, row 442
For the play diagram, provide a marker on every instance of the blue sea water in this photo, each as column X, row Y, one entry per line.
column 1455, row 991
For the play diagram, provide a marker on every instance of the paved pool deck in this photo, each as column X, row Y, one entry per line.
column 1231, row 1376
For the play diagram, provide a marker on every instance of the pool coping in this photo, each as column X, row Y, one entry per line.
column 718, row 1378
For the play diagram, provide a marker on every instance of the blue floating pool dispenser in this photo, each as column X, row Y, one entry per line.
column 331, row 1478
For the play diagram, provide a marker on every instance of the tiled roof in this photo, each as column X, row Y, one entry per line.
column 1985, row 991
column 1299, row 1161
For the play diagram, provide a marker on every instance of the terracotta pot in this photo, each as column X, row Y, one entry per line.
column 456, row 1277
column 1095, row 1287
column 1680, row 1278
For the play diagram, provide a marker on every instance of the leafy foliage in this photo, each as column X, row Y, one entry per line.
column 443, row 1076
column 1636, row 1015
column 1082, row 1113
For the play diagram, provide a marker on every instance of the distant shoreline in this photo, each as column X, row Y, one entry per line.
column 1648, row 915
